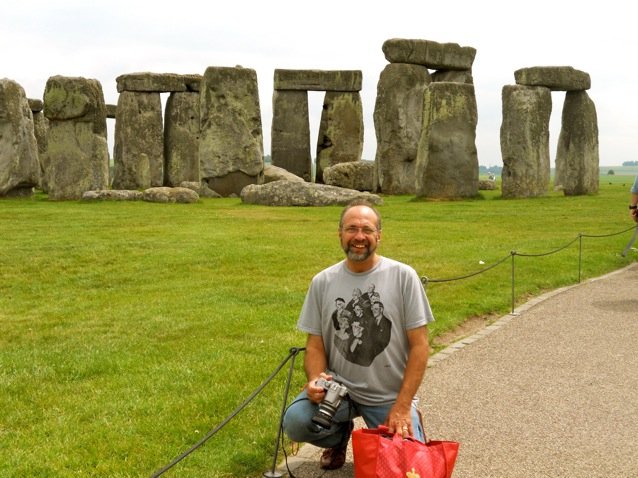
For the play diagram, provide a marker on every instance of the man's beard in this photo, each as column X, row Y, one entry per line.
column 357, row 255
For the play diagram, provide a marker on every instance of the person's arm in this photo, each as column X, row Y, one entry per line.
column 633, row 201
column 315, row 365
column 401, row 412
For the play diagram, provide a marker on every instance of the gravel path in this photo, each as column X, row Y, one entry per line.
column 549, row 391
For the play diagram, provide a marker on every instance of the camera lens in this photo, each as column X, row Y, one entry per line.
column 322, row 420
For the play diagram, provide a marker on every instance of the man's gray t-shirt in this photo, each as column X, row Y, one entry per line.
column 363, row 319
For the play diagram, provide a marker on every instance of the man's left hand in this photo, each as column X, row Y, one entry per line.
column 400, row 421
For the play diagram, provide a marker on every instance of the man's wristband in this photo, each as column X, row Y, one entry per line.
column 633, row 207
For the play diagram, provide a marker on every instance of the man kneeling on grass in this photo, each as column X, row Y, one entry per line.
column 376, row 346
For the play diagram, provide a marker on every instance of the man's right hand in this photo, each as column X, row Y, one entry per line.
column 315, row 393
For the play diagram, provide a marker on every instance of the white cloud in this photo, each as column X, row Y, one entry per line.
column 104, row 39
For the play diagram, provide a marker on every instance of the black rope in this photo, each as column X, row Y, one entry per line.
column 426, row 280
column 210, row 434
column 546, row 253
column 610, row 235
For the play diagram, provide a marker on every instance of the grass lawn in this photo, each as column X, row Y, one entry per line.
column 131, row 329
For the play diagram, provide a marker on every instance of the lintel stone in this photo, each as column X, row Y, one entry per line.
column 556, row 78
column 431, row 54
column 157, row 82
column 318, row 80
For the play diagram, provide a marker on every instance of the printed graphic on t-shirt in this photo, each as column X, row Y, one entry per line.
column 362, row 330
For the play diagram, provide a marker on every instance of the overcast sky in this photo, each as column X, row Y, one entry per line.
column 104, row 39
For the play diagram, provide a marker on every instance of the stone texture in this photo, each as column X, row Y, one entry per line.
column 111, row 111
column 231, row 141
column 340, row 137
column 112, row 195
column 138, row 154
column 357, row 175
column 293, row 193
column 77, row 158
column 577, row 158
column 275, row 173
column 431, row 54
column 181, row 138
column 76, row 98
column 19, row 166
column 170, row 195
column 290, row 133
column 556, row 78
column 41, row 130
column 36, row 105
column 447, row 161
column 398, row 117
column 454, row 76
column 200, row 188
column 525, row 141
column 318, row 80
column 487, row 185
column 157, row 82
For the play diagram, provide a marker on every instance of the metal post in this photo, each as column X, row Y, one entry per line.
column 580, row 255
column 273, row 473
column 513, row 253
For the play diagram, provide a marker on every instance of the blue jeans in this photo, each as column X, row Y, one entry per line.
column 299, row 427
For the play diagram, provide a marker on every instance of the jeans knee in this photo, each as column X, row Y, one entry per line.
column 297, row 419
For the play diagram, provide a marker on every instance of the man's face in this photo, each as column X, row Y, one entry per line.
column 376, row 309
column 359, row 235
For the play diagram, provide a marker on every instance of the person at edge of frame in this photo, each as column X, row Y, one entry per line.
column 633, row 201
column 378, row 352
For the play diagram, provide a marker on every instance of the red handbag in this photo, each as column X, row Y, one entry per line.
column 379, row 454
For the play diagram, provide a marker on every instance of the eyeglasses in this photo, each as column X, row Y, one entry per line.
column 367, row 231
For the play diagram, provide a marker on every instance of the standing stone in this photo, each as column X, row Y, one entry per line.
column 19, row 167
column 138, row 153
column 447, row 161
column 340, row 131
column 181, row 139
column 41, row 129
column 290, row 134
column 525, row 141
column 577, row 160
column 398, row 117
column 231, row 142
column 77, row 154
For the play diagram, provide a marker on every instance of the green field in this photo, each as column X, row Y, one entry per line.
column 131, row 329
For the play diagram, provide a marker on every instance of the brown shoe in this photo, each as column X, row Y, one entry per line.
column 333, row 458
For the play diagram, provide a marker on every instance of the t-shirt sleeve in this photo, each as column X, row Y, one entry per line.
column 310, row 315
column 416, row 304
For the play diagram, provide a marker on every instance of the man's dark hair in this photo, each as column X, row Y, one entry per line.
column 360, row 202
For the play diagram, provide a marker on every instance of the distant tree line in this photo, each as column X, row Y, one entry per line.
column 630, row 163
column 495, row 170
column 483, row 170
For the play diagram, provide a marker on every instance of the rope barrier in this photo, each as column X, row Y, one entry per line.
column 294, row 351
column 426, row 280
column 273, row 473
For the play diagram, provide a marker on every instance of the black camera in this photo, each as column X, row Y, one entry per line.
column 330, row 403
